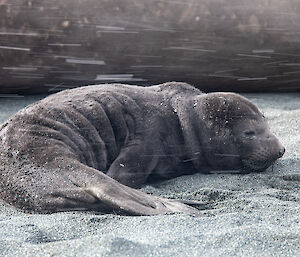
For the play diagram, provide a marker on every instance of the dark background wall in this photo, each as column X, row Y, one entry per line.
column 240, row 45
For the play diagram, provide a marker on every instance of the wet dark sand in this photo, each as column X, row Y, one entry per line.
column 243, row 215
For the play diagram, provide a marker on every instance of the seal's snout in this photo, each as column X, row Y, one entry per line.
column 281, row 152
column 263, row 153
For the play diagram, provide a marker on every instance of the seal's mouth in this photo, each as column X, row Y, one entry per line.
column 260, row 160
column 255, row 166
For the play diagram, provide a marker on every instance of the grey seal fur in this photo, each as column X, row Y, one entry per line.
column 86, row 148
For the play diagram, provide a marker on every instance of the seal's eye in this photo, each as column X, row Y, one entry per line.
column 249, row 134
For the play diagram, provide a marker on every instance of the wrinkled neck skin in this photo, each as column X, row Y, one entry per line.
column 193, row 132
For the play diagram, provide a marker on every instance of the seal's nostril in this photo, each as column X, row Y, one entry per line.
column 281, row 152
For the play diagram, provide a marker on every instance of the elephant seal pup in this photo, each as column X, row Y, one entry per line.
column 84, row 148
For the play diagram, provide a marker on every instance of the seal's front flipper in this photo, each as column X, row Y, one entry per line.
column 133, row 165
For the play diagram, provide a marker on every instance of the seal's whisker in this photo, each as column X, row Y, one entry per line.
column 229, row 155
column 159, row 155
column 224, row 171
column 189, row 160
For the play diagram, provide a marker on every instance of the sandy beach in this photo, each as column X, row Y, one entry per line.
column 256, row 214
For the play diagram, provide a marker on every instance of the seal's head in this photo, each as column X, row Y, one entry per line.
column 238, row 137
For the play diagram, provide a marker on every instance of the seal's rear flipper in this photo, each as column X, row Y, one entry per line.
column 85, row 188
column 122, row 199
column 193, row 203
